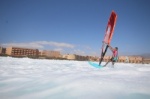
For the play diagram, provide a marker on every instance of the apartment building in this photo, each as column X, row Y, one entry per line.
column 77, row 57
column 16, row 51
column 50, row 54
column 2, row 50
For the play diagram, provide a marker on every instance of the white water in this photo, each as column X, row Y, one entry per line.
column 24, row 78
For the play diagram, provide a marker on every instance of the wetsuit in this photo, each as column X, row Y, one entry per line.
column 114, row 56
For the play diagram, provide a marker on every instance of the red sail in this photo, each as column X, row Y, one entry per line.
column 110, row 27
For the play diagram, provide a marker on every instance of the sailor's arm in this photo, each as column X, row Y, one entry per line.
column 111, row 48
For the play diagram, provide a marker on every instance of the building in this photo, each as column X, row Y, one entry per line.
column 126, row 59
column 106, row 58
column 76, row 57
column 2, row 51
column 121, row 59
column 16, row 51
column 135, row 59
column 146, row 61
column 50, row 54
column 71, row 56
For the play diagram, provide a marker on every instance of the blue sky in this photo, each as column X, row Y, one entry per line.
column 75, row 26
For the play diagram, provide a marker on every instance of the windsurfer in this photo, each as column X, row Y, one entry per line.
column 114, row 55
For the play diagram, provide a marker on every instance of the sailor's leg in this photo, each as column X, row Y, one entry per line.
column 107, row 63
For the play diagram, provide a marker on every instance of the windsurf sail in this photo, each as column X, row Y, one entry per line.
column 108, row 34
